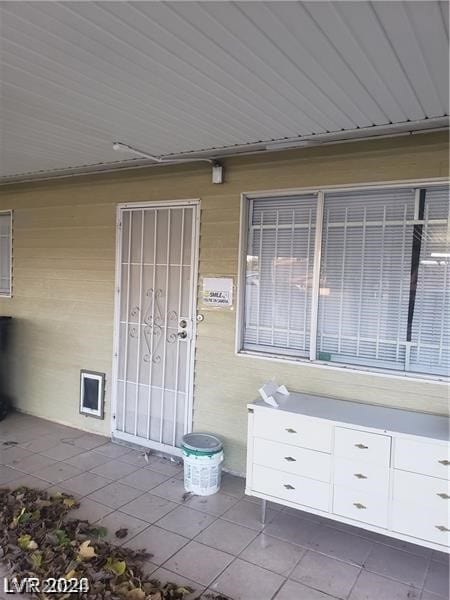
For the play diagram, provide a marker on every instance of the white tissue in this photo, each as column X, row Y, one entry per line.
column 269, row 391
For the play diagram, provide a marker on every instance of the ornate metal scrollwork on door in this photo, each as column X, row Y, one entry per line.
column 154, row 325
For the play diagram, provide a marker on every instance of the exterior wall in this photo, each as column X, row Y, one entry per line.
column 63, row 281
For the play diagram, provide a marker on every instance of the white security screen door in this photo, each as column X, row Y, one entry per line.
column 155, row 325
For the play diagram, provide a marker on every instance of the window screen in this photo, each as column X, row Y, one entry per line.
column 383, row 293
column 5, row 254
column 364, row 278
column 279, row 274
column 430, row 328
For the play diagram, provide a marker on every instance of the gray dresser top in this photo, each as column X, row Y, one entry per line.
column 363, row 415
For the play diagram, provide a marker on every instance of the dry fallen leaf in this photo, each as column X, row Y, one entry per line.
column 86, row 551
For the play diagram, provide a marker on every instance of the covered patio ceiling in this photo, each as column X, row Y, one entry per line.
column 214, row 77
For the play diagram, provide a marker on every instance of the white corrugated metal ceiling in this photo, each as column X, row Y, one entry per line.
column 175, row 77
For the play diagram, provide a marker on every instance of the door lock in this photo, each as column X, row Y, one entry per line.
column 182, row 335
column 183, row 323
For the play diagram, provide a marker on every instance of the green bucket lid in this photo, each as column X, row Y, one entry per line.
column 202, row 442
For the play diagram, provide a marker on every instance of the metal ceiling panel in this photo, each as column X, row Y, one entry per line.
column 176, row 77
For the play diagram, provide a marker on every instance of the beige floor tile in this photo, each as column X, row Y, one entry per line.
column 33, row 463
column 162, row 544
column 216, row 504
column 341, row 545
column 232, row 485
column 171, row 489
column 119, row 520
column 226, row 536
column 62, row 451
column 87, row 460
column 326, row 574
column 115, row 494
column 163, row 465
column 244, row 581
column 28, row 481
column 144, row 479
column 90, row 510
column 273, row 554
column 112, row 450
column 7, row 475
column 404, row 566
column 164, row 576
column 114, row 469
column 186, row 521
column 371, row 586
column 248, row 514
column 90, row 440
column 148, row 507
column 57, row 472
column 437, row 579
column 198, row 562
column 292, row 590
column 292, row 529
column 12, row 455
column 86, row 483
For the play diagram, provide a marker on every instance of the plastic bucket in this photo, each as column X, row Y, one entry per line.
column 203, row 457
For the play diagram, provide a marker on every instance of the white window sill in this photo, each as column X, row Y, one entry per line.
column 421, row 377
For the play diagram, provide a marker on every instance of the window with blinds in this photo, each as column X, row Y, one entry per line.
column 279, row 274
column 383, row 278
column 5, row 253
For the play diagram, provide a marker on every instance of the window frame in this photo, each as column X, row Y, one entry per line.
column 10, row 292
column 312, row 361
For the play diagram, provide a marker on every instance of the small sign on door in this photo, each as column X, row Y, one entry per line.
column 217, row 292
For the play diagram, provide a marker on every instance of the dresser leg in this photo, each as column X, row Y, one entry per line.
column 263, row 511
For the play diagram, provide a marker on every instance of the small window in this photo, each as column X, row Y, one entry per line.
column 5, row 253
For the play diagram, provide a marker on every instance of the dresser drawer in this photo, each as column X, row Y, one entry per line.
column 362, row 446
column 427, row 458
column 364, row 506
column 293, row 429
column 285, row 486
column 290, row 459
column 420, row 522
column 361, row 475
column 430, row 492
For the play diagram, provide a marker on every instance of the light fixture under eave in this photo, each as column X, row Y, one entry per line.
column 217, row 168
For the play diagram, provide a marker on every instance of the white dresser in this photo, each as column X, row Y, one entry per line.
column 383, row 469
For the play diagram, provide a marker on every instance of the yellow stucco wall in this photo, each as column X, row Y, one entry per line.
column 64, row 251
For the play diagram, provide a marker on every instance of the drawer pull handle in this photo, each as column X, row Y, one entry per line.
column 290, row 430
column 442, row 528
column 444, row 462
column 361, row 446
column 290, row 459
column 444, row 496
column 360, row 476
column 359, row 505
column 289, row 487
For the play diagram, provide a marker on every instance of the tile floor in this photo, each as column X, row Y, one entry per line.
column 216, row 543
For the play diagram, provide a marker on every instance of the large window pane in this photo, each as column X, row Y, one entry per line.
column 365, row 277
column 279, row 274
column 430, row 335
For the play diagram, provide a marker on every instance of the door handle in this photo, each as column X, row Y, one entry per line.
column 442, row 528
column 289, row 487
column 444, row 462
column 359, row 476
column 290, row 459
column 443, row 496
column 361, row 446
column 359, row 505
column 290, row 430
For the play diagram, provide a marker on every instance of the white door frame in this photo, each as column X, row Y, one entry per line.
column 120, row 435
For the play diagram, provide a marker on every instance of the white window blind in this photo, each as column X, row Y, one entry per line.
column 5, row 254
column 430, row 335
column 365, row 277
column 279, row 274
column 383, row 294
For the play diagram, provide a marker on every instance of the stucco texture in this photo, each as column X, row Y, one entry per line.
column 63, row 278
